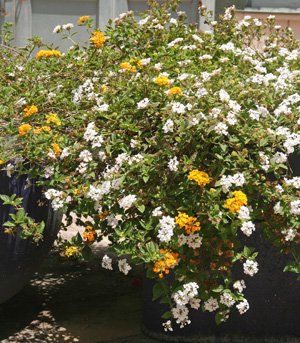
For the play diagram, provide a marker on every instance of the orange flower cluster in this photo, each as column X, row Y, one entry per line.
column 83, row 19
column 175, row 91
column 162, row 80
column 98, row 39
column 56, row 149
column 39, row 130
column 169, row 259
column 89, row 234
column 189, row 223
column 48, row 53
column 30, row 110
column 103, row 215
column 234, row 204
column 128, row 67
column 23, row 129
column 199, row 176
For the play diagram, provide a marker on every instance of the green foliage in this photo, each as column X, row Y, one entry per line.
column 169, row 141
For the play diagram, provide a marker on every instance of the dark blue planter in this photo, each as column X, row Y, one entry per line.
column 273, row 296
column 273, row 316
column 19, row 258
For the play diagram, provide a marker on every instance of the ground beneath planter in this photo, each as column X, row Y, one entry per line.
column 84, row 303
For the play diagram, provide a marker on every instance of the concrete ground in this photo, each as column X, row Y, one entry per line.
column 82, row 303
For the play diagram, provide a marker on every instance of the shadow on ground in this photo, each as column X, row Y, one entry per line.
column 75, row 303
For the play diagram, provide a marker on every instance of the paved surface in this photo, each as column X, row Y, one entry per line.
column 76, row 303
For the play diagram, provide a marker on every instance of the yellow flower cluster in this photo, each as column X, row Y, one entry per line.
column 128, row 67
column 82, row 190
column 170, row 258
column 162, row 80
column 39, row 130
column 199, row 176
column 48, row 53
column 56, row 149
column 23, row 129
column 30, row 110
column 189, row 223
column 175, row 91
column 69, row 251
column 89, row 234
column 234, row 204
column 52, row 118
column 83, row 19
column 98, row 39
column 135, row 61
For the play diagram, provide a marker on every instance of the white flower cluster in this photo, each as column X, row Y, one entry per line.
column 168, row 127
column 239, row 285
column 167, row 326
column 224, row 96
column 167, row 225
column 211, row 304
column 265, row 161
column 157, row 212
column 277, row 207
column 107, row 262
column 295, row 207
column 247, row 228
column 279, row 157
column 193, row 240
column 227, row 181
column 96, row 193
column 244, row 213
column 289, row 234
column 221, row 129
column 124, row 267
column 143, row 104
column 295, row 182
column 57, row 198
column 226, row 299
column 173, row 164
column 10, row 168
column 91, row 135
column 183, row 298
column 243, row 306
column 250, row 267
column 179, row 108
column 127, row 201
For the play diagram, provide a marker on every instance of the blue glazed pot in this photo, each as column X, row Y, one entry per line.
column 19, row 258
column 273, row 297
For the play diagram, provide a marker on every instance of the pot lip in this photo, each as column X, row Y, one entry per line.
column 226, row 338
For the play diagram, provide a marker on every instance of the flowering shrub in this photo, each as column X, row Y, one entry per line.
column 169, row 141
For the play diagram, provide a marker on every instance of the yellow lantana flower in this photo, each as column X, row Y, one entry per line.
column 48, row 53
column 23, row 129
column 98, row 39
column 83, row 19
column 199, row 176
column 30, row 110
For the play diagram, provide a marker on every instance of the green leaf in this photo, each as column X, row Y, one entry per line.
column 6, row 199
column 167, row 315
column 158, row 290
column 292, row 266
column 165, row 300
column 218, row 289
column 141, row 208
column 20, row 215
column 9, row 224
column 77, row 239
column 146, row 178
